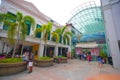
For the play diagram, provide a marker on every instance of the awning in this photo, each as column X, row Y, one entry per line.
column 87, row 45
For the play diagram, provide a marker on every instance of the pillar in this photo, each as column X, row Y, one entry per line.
column 56, row 51
column 41, row 50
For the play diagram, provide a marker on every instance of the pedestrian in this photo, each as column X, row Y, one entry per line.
column 100, row 61
column 89, row 58
column 25, row 56
column 68, row 55
column 83, row 56
column 30, row 63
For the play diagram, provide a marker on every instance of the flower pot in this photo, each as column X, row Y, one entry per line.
column 12, row 68
column 43, row 63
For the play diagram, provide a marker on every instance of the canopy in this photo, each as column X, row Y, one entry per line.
column 87, row 45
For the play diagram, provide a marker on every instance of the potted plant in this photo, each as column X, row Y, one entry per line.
column 103, row 55
column 43, row 62
column 10, row 66
column 60, row 59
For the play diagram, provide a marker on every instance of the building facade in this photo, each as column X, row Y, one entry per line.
column 37, row 44
column 111, row 11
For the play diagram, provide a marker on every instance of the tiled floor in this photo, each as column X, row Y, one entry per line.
column 73, row 70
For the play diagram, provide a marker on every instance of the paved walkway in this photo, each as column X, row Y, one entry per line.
column 73, row 70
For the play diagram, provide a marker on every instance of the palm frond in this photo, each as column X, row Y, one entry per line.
column 66, row 39
column 11, row 33
column 56, row 36
column 32, row 20
column 63, row 29
column 19, row 16
column 69, row 33
column 23, row 31
column 49, row 27
column 37, row 30
column 58, row 30
column 2, row 17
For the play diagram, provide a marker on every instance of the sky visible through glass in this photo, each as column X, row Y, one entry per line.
column 59, row 10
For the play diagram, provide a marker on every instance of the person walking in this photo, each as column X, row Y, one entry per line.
column 25, row 57
column 30, row 63
column 89, row 58
column 100, row 61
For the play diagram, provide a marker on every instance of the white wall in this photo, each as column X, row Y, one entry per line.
column 111, row 25
column 116, row 18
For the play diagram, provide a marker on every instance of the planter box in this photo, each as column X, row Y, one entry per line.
column 43, row 63
column 60, row 60
column 12, row 68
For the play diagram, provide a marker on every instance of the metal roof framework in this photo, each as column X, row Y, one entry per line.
column 87, row 18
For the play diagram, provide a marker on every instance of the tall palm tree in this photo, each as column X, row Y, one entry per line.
column 5, row 19
column 19, row 29
column 46, row 31
column 64, row 35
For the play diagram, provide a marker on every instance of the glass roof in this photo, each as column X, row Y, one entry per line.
column 88, row 19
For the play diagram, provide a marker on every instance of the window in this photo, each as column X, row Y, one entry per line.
column 28, row 23
column 10, row 17
column 38, row 35
column 49, row 36
column 60, row 39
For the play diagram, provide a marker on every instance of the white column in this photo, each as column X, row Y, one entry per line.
column 41, row 50
column 56, row 51
column 111, row 31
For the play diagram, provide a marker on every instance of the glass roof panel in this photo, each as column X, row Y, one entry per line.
column 88, row 19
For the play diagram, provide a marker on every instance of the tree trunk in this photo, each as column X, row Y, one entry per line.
column 61, row 51
column 14, row 50
column 7, row 49
column 18, row 35
column 3, row 47
column 22, row 50
column 45, row 50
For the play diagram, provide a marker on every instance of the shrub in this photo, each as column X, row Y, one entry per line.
column 10, row 60
column 60, row 57
column 103, row 54
column 44, row 58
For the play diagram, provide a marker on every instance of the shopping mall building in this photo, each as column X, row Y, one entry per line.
column 37, row 45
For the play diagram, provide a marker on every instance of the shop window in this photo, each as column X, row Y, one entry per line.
column 28, row 23
column 38, row 35
column 49, row 36
column 11, row 18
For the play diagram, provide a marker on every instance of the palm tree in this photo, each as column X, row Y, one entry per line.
column 5, row 19
column 19, row 29
column 46, row 31
column 64, row 35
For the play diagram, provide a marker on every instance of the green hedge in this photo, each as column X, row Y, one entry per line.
column 10, row 60
column 44, row 58
column 60, row 57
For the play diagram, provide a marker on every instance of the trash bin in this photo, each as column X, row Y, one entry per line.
column 110, row 61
